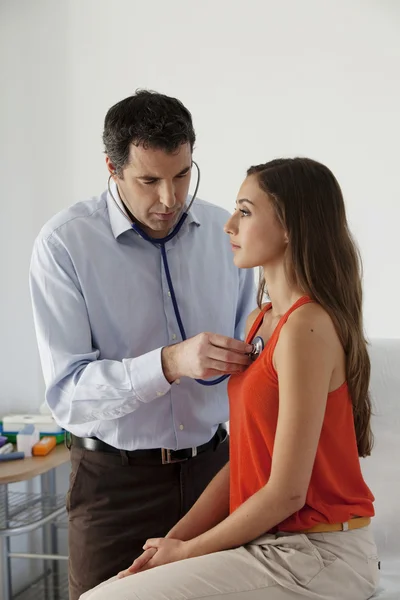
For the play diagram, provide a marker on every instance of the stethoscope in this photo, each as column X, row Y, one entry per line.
column 258, row 343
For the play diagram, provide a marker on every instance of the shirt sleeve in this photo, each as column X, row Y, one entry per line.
column 247, row 300
column 80, row 388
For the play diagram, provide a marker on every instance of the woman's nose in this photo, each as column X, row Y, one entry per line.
column 230, row 226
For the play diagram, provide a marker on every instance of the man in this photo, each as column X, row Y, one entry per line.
column 146, row 438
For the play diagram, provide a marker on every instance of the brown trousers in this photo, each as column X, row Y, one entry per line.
column 116, row 503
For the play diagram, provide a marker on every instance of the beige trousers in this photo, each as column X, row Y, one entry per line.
column 321, row 566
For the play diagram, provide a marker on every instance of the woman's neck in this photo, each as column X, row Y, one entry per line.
column 281, row 293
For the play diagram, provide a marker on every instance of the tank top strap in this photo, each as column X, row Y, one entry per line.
column 257, row 323
column 273, row 340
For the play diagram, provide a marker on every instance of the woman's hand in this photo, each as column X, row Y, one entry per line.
column 140, row 564
column 157, row 552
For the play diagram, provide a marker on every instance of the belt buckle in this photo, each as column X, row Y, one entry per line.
column 166, row 458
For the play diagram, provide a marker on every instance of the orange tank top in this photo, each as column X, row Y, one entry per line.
column 337, row 491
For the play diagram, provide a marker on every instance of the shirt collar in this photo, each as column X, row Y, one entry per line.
column 120, row 223
column 193, row 216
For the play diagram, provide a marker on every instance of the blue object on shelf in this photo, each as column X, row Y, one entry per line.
column 11, row 456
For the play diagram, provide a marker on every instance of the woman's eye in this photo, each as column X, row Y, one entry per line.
column 243, row 211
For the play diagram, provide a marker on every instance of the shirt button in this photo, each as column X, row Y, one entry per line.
column 160, row 394
column 173, row 336
column 181, row 427
column 169, row 293
column 177, row 381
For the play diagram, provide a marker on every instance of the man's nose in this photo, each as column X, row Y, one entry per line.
column 168, row 196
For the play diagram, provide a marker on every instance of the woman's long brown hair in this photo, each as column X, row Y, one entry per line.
column 325, row 263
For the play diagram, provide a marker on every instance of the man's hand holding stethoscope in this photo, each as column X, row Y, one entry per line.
column 205, row 355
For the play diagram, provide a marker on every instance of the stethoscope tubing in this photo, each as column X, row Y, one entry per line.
column 160, row 243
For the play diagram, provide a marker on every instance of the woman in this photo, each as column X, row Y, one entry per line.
column 288, row 517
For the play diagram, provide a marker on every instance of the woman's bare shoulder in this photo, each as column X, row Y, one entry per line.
column 311, row 318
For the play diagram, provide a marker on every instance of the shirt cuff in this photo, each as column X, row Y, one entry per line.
column 147, row 376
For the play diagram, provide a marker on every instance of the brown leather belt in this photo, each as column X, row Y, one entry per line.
column 355, row 523
column 165, row 455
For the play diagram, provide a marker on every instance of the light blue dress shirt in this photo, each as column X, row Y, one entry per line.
column 103, row 312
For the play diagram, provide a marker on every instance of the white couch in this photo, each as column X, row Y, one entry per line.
column 382, row 469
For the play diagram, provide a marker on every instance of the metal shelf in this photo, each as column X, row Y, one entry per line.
column 62, row 521
column 46, row 588
column 22, row 512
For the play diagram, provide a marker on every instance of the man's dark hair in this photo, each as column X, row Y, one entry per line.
column 146, row 119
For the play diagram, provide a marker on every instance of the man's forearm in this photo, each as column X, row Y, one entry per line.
column 210, row 509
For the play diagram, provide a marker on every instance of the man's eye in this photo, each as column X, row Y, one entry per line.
column 150, row 181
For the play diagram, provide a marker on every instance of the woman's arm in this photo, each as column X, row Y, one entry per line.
column 304, row 359
column 213, row 505
column 210, row 509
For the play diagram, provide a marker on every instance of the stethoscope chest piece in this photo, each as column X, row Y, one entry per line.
column 258, row 347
